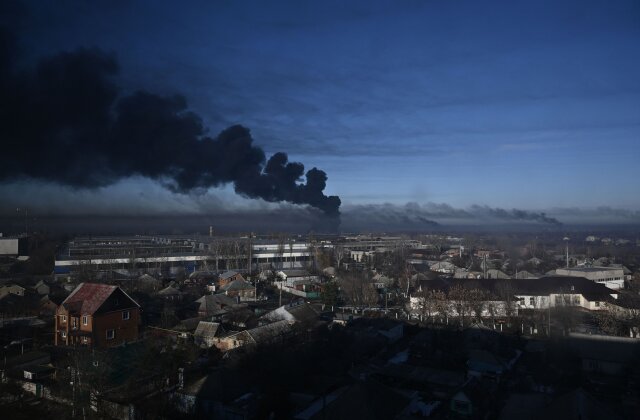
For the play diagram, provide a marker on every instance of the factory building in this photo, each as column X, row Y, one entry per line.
column 170, row 255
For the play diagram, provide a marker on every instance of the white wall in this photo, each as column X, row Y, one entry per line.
column 8, row 246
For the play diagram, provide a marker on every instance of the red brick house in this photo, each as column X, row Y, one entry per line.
column 97, row 315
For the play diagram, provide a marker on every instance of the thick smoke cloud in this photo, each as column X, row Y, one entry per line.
column 67, row 122
column 413, row 216
column 513, row 215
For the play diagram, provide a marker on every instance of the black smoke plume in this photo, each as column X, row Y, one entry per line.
column 427, row 216
column 514, row 215
column 67, row 122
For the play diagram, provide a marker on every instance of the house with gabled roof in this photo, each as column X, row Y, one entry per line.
column 239, row 288
column 299, row 311
column 275, row 332
column 228, row 277
column 206, row 332
column 97, row 315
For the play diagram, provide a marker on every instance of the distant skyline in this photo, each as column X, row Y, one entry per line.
column 510, row 104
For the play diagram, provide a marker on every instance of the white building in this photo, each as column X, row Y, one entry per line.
column 613, row 278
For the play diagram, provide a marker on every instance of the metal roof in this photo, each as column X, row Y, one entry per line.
column 87, row 298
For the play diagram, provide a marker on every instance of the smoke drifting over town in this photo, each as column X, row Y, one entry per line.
column 66, row 121
column 417, row 216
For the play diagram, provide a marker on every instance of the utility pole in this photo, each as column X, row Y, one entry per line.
column 249, row 265
column 484, row 265
column 566, row 240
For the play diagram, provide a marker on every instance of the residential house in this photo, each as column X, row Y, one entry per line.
column 41, row 288
column 472, row 400
column 170, row 293
column 443, row 267
column 553, row 291
column 97, row 315
column 292, row 277
column 215, row 305
column 13, row 289
column 391, row 330
column 206, row 333
column 228, row 277
column 579, row 405
column 18, row 305
column 605, row 355
column 363, row 399
column 483, row 362
column 220, row 394
column 463, row 273
column 299, row 312
column 542, row 293
column 613, row 278
column 16, row 365
column 526, row 275
column 240, row 289
column 493, row 273
column 266, row 334
column 380, row 281
column 148, row 283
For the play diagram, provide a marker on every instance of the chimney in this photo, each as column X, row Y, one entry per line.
column 210, row 231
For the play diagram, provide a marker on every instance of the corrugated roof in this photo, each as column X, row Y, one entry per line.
column 238, row 284
column 88, row 297
column 228, row 274
column 268, row 332
column 206, row 329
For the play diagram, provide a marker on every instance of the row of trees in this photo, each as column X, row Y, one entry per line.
column 465, row 303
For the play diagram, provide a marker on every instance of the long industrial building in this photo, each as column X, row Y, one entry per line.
column 169, row 255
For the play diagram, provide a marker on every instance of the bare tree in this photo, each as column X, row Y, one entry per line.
column 291, row 253
column 506, row 293
column 281, row 247
column 358, row 289
column 214, row 249
column 442, row 305
column 429, row 302
column 477, row 303
column 404, row 279
column 617, row 320
column 459, row 297
column 338, row 255
column 563, row 312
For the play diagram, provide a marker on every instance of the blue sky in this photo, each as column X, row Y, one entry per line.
column 527, row 104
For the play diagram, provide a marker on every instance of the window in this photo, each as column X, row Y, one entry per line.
column 125, row 315
column 85, row 320
column 85, row 340
column 74, row 322
column 111, row 334
column 532, row 301
column 597, row 304
column 63, row 318
column 63, row 334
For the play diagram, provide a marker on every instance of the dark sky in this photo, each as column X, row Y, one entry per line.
column 514, row 104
